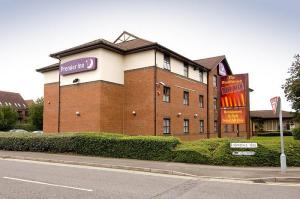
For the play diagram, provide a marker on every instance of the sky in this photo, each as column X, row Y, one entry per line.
column 259, row 37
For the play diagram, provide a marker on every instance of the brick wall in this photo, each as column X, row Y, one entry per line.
column 50, row 124
column 139, row 89
column 178, row 84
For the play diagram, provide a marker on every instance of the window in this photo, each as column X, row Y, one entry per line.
column 167, row 126
column 200, row 76
column 215, row 126
column 166, row 95
column 185, row 97
column 167, row 64
column 215, row 104
column 186, row 126
column 201, row 103
column 215, row 81
column 186, row 70
column 201, row 126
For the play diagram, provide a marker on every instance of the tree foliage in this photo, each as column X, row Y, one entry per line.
column 292, row 85
column 36, row 113
column 8, row 118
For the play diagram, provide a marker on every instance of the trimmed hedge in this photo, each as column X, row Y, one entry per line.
column 107, row 145
column 296, row 133
column 167, row 148
column 274, row 134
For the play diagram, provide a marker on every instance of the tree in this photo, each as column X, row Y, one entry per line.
column 36, row 113
column 8, row 118
column 292, row 85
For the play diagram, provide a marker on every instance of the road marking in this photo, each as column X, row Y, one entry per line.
column 101, row 169
column 45, row 183
column 201, row 178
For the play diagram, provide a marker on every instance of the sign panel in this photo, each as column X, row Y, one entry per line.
column 243, row 153
column 233, row 91
column 274, row 103
column 250, row 145
column 233, row 98
column 233, row 115
column 78, row 66
column 222, row 70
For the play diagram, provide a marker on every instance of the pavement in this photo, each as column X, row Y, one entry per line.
column 255, row 174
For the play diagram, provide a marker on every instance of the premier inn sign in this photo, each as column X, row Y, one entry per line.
column 78, row 65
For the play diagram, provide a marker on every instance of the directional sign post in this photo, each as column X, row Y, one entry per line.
column 276, row 107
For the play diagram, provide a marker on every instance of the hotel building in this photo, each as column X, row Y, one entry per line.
column 136, row 87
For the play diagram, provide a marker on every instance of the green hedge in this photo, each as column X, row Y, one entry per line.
column 138, row 147
column 274, row 134
column 167, row 148
column 296, row 133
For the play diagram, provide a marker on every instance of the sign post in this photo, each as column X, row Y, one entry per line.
column 276, row 107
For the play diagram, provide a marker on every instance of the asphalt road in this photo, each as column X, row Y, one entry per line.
column 27, row 179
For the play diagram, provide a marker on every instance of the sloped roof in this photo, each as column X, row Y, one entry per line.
column 210, row 62
column 14, row 100
column 135, row 44
column 268, row 114
column 29, row 102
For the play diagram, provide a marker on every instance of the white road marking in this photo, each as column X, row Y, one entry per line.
column 101, row 169
column 48, row 184
column 202, row 178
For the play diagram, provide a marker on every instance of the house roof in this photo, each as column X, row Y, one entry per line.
column 29, row 102
column 126, row 43
column 14, row 100
column 268, row 114
column 212, row 62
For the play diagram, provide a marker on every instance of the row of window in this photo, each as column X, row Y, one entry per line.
column 186, row 97
column 10, row 104
column 186, row 126
column 167, row 66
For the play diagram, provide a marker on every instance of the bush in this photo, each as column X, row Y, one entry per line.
column 137, row 147
column 36, row 114
column 296, row 133
column 8, row 118
column 274, row 134
column 25, row 126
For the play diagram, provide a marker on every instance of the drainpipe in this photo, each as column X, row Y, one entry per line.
column 58, row 114
column 155, row 80
column 207, row 105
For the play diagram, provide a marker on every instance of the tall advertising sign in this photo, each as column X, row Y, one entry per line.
column 234, row 102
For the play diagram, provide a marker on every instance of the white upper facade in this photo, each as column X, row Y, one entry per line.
column 111, row 67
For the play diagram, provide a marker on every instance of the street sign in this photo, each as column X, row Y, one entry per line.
column 252, row 145
column 274, row 103
column 276, row 107
column 243, row 153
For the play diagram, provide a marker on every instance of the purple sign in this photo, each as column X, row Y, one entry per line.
column 78, row 65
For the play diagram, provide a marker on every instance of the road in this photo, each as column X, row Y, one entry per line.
column 29, row 179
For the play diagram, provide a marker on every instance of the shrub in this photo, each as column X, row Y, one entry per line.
column 138, row 147
column 296, row 133
column 36, row 114
column 8, row 118
column 25, row 126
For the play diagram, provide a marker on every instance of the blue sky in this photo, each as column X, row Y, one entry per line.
column 259, row 37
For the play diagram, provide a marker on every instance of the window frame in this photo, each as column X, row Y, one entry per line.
column 167, row 126
column 186, row 70
column 167, row 62
column 186, row 101
column 168, row 97
column 186, row 127
column 215, row 126
column 201, row 102
column 215, row 80
column 201, row 125
column 200, row 76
